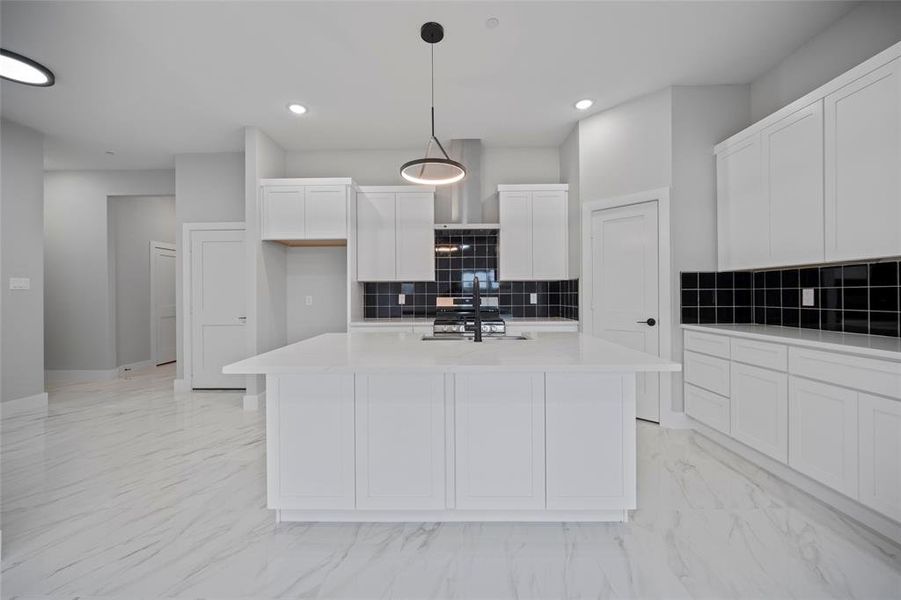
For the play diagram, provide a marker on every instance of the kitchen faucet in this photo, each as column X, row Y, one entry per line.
column 477, row 305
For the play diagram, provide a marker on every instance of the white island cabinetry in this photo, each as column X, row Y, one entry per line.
column 387, row 427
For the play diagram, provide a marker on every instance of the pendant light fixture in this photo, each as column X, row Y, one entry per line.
column 433, row 170
column 21, row 69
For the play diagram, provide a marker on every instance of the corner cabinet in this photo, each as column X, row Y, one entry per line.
column 533, row 234
column 395, row 229
column 819, row 180
column 297, row 210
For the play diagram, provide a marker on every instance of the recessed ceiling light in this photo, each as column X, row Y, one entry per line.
column 21, row 69
column 297, row 109
column 584, row 104
column 492, row 22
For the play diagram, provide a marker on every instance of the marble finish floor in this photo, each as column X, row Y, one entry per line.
column 122, row 490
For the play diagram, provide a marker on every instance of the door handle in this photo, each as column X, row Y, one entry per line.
column 242, row 319
column 650, row 322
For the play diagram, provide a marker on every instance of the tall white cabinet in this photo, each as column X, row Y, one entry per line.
column 395, row 231
column 533, row 232
column 819, row 180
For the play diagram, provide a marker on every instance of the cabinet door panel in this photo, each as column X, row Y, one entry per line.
column 400, row 441
column 326, row 212
column 743, row 219
column 590, row 441
column 863, row 166
column 375, row 237
column 499, row 441
column 823, row 433
column 759, row 409
column 793, row 175
column 880, row 454
column 282, row 213
column 314, row 463
column 549, row 247
column 415, row 222
column 515, row 260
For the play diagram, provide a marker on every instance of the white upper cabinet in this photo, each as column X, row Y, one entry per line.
column 533, row 232
column 395, row 234
column 819, row 180
column 863, row 166
column 304, row 209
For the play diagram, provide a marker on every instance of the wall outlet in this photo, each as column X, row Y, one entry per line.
column 401, row 298
column 807, row 298
column 309, row 300
column 20, row 283
column 533, row 298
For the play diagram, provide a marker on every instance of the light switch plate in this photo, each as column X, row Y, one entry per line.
column 533, row 298
column 401, row 298
column 807, row 298
column 20, row 283
column 309, row 300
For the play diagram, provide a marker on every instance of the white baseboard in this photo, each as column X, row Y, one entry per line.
column 135, row 366
column 35, row 402
column 860, row 513
column 675, row 420
column 254, row 401
column 65, row 377
column 181, row 386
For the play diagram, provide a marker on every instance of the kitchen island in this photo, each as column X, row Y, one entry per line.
column 390, row 427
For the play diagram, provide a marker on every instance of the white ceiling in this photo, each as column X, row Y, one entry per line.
column 152, row 79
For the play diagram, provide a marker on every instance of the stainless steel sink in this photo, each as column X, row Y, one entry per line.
column 468, row 338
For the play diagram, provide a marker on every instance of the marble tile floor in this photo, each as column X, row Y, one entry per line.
column 123, row 491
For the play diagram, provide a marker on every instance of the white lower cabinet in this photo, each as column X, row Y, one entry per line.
column 708, row 408
column 880, row 454
column 311, row 454
column 499, row 441
column 587, row 451
column 400, row 441
column 760, row 409
column 823, row 433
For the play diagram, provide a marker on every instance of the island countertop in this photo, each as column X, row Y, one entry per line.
column 352, row 352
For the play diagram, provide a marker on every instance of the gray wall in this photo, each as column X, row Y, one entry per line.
column 134, row 222
column 569, row 173
column 322, row 274
column 79, row 312
column 21, row 255
column 209, row 188
column 865, row 31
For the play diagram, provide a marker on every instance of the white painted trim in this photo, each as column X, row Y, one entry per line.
column 180, row 386
column 254, row 401
column 665, row 319
column 533, row 187
column 187, row 231
column 27, row 404
column 868, row 517
column 56, row 377
column 884, row 57
column 153, row 276
column 447, row 516
column 135, row 366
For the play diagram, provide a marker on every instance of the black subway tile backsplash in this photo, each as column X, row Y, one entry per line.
column 460, row 255
column 851, row 298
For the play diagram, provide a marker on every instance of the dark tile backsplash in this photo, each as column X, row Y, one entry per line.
column 460, row 255
column 851, row 298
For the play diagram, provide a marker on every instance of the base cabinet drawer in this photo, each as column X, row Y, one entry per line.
column 822, row 433
column 706, row 343
column 866, row 374
column 759, row 410
column 707, row 372
column 760, row 354
column 708, row 408
column 880, row 454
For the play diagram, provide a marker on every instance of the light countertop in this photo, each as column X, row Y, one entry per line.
column 876, row 346
column 337, row 352
column 403, row 322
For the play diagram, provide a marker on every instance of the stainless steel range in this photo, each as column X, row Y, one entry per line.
column 457, row 316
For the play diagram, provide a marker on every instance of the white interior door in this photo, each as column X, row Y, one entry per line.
column 162, row 302
column 624, row 289
column 217, row 307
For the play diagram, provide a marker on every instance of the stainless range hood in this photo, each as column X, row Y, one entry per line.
column 459, row 206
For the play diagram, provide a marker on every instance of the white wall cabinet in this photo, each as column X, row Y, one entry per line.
column 533, row 235
column 819, row 180
column 395, row 234
column 293, row 210
column 880, row 454
column 759, row 409
column 823, row 433
column 400, row 441
column 863, row 166
column 499, row 441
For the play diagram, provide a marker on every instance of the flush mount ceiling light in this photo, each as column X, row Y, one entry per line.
column 584, row 104
column 21, row 69
column 297, row 109
column 433, row 170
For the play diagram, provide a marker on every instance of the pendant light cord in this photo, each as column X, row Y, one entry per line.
column 432, row 48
